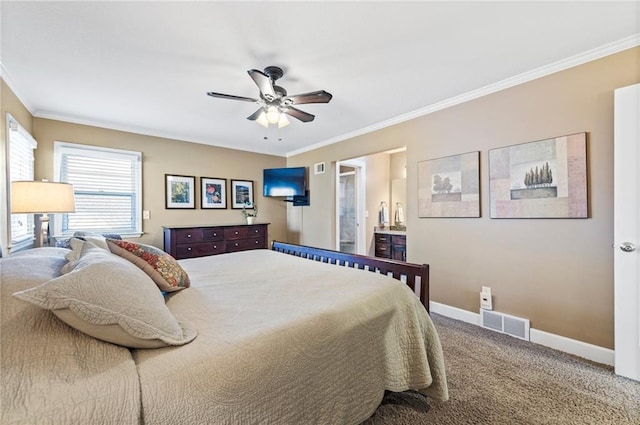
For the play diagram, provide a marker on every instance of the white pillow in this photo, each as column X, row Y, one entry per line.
column 111, row 299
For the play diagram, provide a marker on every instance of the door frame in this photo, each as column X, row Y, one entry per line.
column 627, row 230
column 361, row 184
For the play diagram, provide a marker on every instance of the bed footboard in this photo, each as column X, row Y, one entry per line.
column 414, row 275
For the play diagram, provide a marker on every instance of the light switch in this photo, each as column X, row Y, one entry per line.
column 146, row 215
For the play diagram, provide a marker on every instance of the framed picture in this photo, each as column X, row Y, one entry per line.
column 241, row 194
column 449, row 186
column 541, row 179
column 213, row 193
column 179, row 191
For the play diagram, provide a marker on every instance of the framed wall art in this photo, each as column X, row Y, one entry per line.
column 541, row 179
column 449, row 186
column 179, row 191
column 213, row 193
column 241, row 194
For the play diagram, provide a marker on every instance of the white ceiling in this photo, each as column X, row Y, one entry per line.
column 145, row 66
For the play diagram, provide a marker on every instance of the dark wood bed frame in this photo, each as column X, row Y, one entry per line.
column 414, row 275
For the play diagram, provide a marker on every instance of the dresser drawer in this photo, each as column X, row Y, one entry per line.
column 233, row 233
column 245, row 244
column 212, row 235
column 188, row 235
column 255, row 231
column 383, row 250
column 382, row 238
column 200, row 249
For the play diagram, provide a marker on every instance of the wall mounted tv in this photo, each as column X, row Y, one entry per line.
column 289, row 183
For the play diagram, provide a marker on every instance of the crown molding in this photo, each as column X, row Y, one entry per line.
column 6, row 77
column 142, row 131
column 561, row 65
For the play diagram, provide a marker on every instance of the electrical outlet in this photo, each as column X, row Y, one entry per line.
column 146, row 215
column 485, row 298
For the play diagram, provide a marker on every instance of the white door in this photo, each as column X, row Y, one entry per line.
column 627, row 231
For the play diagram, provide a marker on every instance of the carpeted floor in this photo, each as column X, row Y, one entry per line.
column 498, row 379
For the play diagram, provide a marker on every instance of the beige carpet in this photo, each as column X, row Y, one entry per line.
column 497, row 379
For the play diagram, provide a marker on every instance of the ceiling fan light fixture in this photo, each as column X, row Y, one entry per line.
column 262, row 120
column 283, row 121
column 273, row 115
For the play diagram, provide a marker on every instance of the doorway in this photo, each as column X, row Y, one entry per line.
column 349, row 206
column 627, row 231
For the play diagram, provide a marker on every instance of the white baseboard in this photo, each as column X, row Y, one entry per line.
column 454, row 313
column 572, row 346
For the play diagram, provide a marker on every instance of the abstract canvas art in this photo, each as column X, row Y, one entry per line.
column 449, row 186
column 541, row 179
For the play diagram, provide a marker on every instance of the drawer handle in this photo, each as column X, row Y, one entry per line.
column 215, row 234
column 215, row 247
column 188, row 236
column 256, row 242
column 236, row 243
column 236, row 233
column 189, row 249
column 383, row 248
column 383, row 239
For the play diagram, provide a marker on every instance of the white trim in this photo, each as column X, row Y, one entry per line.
column 585, row 350
column 543, row 71
column 577, row 348
column 454, row 313
column 4, row 73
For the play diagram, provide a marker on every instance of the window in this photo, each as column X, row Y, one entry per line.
column 20, row 167
column 107, row 184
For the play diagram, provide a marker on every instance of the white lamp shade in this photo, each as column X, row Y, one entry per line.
column 283, row 121
column 273, row 115
column 262, row 119
column 39, row 197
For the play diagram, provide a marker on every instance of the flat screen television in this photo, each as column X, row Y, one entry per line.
column 285, row 182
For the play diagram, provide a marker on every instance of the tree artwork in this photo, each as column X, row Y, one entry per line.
column 540, row 177
column 441, row 185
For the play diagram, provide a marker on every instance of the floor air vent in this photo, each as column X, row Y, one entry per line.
column 504, row 323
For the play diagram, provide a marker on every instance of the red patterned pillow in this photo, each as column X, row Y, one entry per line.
column 161, row 267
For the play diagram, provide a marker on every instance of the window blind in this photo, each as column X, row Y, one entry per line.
column 21, row 147
column 107, row 187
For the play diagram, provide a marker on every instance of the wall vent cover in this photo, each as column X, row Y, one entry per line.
column 504, row 323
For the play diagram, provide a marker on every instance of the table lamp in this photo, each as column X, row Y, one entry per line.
column 42, row 197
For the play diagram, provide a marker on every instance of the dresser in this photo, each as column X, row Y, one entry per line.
column 391, row 245
column 198, row 241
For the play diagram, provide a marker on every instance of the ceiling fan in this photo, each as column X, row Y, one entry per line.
column 274, row 101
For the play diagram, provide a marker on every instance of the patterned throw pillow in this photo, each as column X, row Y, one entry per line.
column 163, row 269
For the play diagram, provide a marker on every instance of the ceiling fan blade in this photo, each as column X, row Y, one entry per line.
column 297, row 113
column 264, row 83
column 319, row 96
column 255, row 115
column 231, row 97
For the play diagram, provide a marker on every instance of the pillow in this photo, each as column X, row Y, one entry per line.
column 66, row 243
column 110, row 299
column 77, row 246
column 160, row 266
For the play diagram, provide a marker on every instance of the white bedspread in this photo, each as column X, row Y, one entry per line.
column 286, row 340
column 51, row 373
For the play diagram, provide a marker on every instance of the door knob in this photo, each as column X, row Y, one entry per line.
column 627, row 247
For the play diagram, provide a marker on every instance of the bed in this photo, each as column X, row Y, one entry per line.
column 280, row 339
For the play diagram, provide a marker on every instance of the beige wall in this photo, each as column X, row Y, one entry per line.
column 164, row 156
column 9, row 104
column 378, row 190
column 556, row 272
